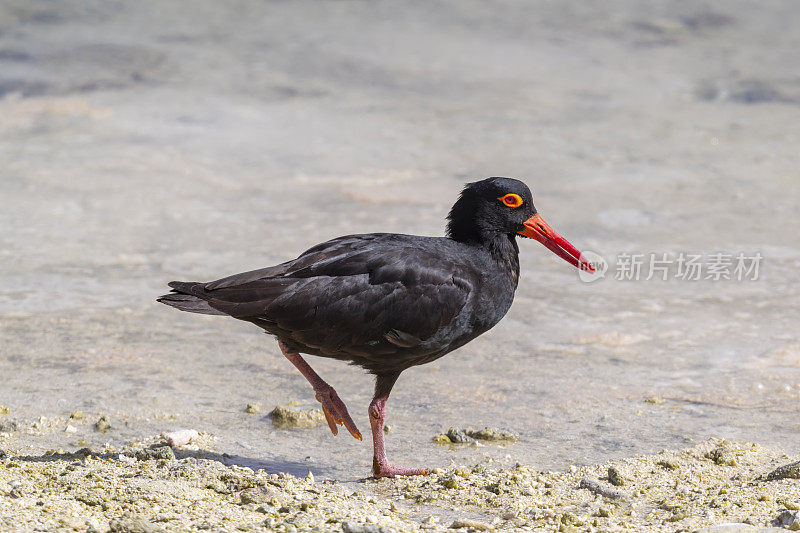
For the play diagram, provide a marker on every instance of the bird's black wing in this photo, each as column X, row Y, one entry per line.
column 358, row 297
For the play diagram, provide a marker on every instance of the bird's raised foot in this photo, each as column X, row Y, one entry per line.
column 336, row 412
column 387, row 470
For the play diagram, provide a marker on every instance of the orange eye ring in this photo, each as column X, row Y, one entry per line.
column 511, row 200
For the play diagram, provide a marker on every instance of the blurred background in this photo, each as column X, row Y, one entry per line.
column 142, row 142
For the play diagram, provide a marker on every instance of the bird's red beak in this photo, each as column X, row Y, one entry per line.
column 537, row 228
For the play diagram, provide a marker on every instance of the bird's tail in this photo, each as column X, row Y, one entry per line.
column 182, row 298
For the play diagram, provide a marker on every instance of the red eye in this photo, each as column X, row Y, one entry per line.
column 511, row 200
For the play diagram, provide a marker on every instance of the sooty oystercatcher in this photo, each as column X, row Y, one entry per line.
column 385, row 301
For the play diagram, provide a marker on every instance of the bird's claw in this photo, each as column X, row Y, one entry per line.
column 336, row 412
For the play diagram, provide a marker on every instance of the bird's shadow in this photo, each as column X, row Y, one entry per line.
column 271, row 466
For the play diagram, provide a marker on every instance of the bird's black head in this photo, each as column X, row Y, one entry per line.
column 494, row 207
column 488, row 208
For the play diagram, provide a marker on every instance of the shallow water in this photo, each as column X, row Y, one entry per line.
column 141, row 143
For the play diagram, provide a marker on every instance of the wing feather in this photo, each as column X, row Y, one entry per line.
column 367, row 294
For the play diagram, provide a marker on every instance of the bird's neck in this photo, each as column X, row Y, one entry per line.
column 503, row 248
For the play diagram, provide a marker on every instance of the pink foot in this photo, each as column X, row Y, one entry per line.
column 380, row 464
column 388, row 470
column 336, row 412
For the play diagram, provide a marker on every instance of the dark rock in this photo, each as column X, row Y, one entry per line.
column 614, row 477
column 790, row 471
column 458, row 436
column 102, row 425
column 788, row 519
column 159, row 452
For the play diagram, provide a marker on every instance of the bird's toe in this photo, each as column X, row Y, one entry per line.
column 336, row 413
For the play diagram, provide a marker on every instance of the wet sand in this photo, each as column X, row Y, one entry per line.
column 144, row 142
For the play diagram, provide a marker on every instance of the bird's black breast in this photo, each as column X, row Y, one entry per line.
column 383, row 301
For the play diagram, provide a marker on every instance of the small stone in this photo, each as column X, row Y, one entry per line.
column 595, row 486
column 102, row 425
column 253, row 408
column 387, row 429
column 283, row 418
column 669, row 465
column 789, row 520
column 614, row 477
column 4, row 410
column 790, row 471
column 463, row 472
column 159, row 452
column 77, row 415
column 654, row 400
column 70, row 429
column 458, row 436
column 490, row 434
column 719, row 455
column 442, row 439
column 181, row 437
column 449, row 482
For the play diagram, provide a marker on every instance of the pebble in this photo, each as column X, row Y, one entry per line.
column 181, row 437
column 788, row 519
column 474, row 437
column 159, row 452
column 614, row 477
column 285, row 418
column 790, row 471
column 102, row 425
column 597, row 487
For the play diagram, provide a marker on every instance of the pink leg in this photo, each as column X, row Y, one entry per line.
column 335, row 410
column 380, row 464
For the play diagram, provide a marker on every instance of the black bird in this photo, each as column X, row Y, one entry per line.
column 386, row 301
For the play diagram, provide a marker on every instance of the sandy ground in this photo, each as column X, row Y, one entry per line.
column 714, row 483
column 142, row 142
